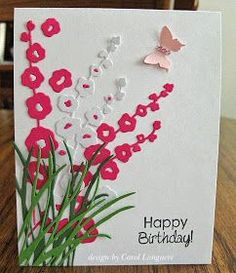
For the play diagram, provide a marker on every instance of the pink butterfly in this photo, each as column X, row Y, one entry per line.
column 167, row 45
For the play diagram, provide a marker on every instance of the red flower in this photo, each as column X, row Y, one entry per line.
column 39, row 106
column 152, row 137
column 30, row 25
column 156, row 125
column 169, row 87
column 141, row 110
column 123, row 152
column 127, row 123
column 154, row 106
column 101, row 156
column 50, row 27
column 40, row 137
column 86, row 227
column 140, row 138
column 32, row 77
column 24, row 37
column 88, row 177
column 35, row 53
column 42, row 176
column 106, row 133
column 61, row 225
column 110, row 170
column 57, row 76
column 153, row 97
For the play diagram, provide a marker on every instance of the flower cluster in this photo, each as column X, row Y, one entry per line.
column 127, row 123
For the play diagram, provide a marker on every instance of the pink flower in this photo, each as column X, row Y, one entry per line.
column 110, row 170
column 123, row 152
column 85, row 228
column 169, row 87
column 152, row 137
column 40, row 137
column 24, row 37
column 153, row 97
column 50, row 27
column 154, row 106
column 156, row 125
column 88, row 177
column 42, row 176
column 39, row 106
column 100, row 157
column 141, row 110
column 79, row 203
column 106, row 133
column 58, row 76
column 30, row 25
column 140, row 138
column 127, row 123
column 35, row 53
column 32, row 77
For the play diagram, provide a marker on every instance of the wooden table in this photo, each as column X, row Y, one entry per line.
column 224, row 254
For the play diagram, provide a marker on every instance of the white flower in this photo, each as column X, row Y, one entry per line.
column 94, row 116
column 107, row 109
column 103, row 54
column 86, row 136
column 95, row 71
column 109, row 99
column 122, row 82
column 67, row 103
column 85, row 87
column 116, row 40
column 67, row 127
column 62, row 155
column 107, row 63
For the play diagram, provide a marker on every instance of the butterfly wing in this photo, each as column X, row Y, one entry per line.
column 159, row 59
column 152, row 58
column 167, row 41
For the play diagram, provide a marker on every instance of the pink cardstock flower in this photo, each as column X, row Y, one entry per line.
column 60, row 80
column 169, row 87
column 141, row 110
column 40, row 137
column 42, row 176
column 39, row 106
column 106, row 133
column 93, row 233
column 30, row 25
column 67, row 127
column 32, row 77
column 35, row 53
column 50, row 27
column 95, row 71
column 123, row 152
column 110, row 170
column 85, row 87
column 94, row 116
column 100, row 157
column 127, row 123
column 86, row 136
column 67, row 103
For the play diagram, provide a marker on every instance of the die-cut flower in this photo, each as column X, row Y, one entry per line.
column 35, row 53
column 93, row 233
column 79, row 203
column 88, row 177
column 32, row 77
column 106, row 133
column 152, row 137
column 110, row 170
column 101, row 155
column 156, row 125
column 140, row 138
column 169, row 87
column 95, row 71
column 85, row 87
column 30, row 25
column 123, row 152
column 127, row 123
column 42, row 175
column 154, row 106
column 39, row 106
column 60, row 80
column 40, row 137
column 109, row 99
column 141, row 110
column 24, row 37
column 94, row 116
column 50, row 27
column 67, row 127
column 86, row 136
column 67, row 103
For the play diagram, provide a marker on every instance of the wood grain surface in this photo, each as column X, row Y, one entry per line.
column 224, row 253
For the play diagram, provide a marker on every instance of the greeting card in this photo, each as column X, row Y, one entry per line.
column 116, row 135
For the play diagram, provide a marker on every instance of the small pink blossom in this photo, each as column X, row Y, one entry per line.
column 50, row 27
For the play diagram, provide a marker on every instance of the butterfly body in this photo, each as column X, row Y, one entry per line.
column 167, row 45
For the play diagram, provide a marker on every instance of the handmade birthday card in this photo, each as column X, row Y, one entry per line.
column 116, row 135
